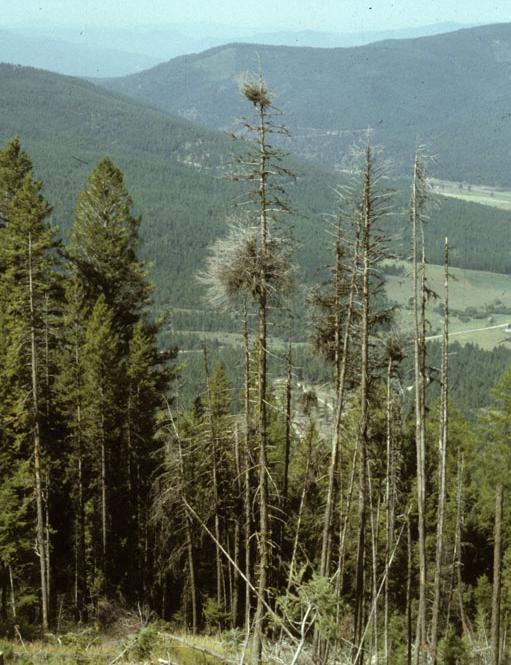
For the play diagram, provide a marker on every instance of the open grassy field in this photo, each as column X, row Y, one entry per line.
column 484, row 195
column 476, row 301
column 479, row 302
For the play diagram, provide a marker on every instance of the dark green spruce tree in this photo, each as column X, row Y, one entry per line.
column 109, row 275
column 28, row 288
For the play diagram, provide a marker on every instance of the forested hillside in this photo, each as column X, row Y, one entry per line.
column 450, row 91
column 176, row 172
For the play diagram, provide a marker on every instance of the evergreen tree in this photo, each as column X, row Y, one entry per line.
column 15, row 164
column 71, row 400
column 27, row 252
column 100, row 388
column 147, row 375
column 110, row 276
column 104, row 246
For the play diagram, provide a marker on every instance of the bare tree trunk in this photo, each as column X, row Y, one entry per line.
column 263, row 535
column 287, row 453
column 188, row 523
column 80, row 586
column 341, row 362
column 303, row 496
column 457, row 556
column 503, row 645
column 364, row 411
column 389, row 509
column 214, row 470
column 237, row 534
column 374, row 521
column 420, row 342
column 442, row 453
column 287, row 440
column 191, row 573
column 409, row 638
column 497, row 569
column 247, row 529
column 40, row 523
column 13, row 596
column 47, row 529
column 344, row 526
column 104, row 499
column 341, row 366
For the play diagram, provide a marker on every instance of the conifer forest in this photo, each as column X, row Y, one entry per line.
column 254, row 515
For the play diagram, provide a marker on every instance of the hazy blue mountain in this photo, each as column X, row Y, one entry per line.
column 166, row 42
column 450, row 91
column 156, row 42
column 318, row 39
column 77, row 59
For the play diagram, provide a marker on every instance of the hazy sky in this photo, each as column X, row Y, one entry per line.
column 330, row 15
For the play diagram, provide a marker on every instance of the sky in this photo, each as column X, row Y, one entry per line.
column 327, row 15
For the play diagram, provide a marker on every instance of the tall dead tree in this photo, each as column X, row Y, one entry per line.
column 287, row 435
column 442, row 456
column 252, row 261
column 247, row 464
column 171, row 496
column 342, row 334
column 394, row 355
column 213, row 440
column 497, row 575
column 373, row 207
column 418, row 201
column 38, row 468
column 260, row 98
column 333, row 332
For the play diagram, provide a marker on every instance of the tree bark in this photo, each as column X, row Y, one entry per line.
column 40, row 523
column 341, row 366
column 364, row 410
column 442, row 454
column 497, row 569
column 389, row 509
column 247, row 529
column 104, row 509
column 263, row 535
column 419, row 343
column 409, row 638
column 13, row 596
column 214, row 471
column 237, row 533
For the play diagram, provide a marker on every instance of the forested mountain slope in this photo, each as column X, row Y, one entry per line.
column 450, row 91
column 175, row 172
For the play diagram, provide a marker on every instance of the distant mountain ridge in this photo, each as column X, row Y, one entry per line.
column 450, row 91
column 317, row 39
column 100, row 51
column 68, row 58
